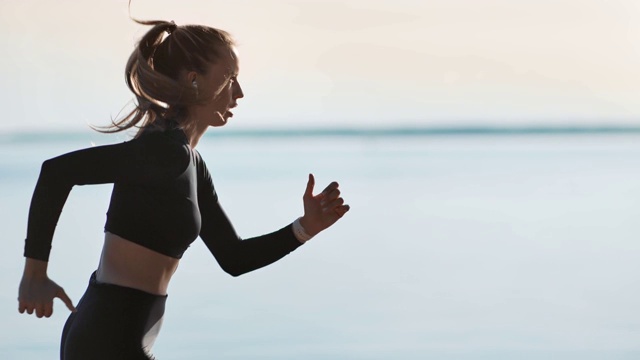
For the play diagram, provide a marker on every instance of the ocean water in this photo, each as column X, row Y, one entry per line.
column 458, row 246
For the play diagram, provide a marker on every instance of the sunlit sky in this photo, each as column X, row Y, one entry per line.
column 341, row 63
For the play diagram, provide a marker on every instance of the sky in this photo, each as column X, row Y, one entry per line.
column 359, row 63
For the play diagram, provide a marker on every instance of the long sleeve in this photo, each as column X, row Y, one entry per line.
column 235, row 255
column 138, row 160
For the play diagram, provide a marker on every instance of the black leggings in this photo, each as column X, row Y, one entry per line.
column 112, row 322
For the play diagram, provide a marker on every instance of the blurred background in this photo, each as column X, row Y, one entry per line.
column 490, row 150
column 342, row 63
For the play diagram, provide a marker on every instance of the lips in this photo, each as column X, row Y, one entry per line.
column 228, row 112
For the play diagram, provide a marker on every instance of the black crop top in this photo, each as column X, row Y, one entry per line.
column 163, row 198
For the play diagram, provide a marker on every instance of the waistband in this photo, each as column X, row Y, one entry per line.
column 122, row 290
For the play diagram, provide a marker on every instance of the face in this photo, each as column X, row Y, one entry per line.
column 220, row 90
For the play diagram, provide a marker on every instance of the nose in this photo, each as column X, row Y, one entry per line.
column 237, row 91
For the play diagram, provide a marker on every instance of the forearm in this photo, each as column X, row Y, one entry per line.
column 237, row 256
column 49, row 197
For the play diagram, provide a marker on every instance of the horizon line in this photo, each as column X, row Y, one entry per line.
column 353, row 131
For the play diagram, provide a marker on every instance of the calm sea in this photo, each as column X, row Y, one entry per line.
column 465, row 245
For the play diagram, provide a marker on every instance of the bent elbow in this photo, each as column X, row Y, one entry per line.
column 233, row 269
column 47, row 169
column 50, row 173
column 234, row 273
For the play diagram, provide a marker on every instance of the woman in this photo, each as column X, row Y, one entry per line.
column 185, row 79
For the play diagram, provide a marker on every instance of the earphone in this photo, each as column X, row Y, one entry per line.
column 195, row 86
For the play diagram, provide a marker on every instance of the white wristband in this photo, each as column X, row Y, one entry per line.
column 299, row 232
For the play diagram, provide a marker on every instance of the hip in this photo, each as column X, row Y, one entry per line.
column 113, row 322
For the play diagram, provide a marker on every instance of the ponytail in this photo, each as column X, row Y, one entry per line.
column 157, row 95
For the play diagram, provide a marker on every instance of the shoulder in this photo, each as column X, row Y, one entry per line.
column 162, row 148
column 198, row 157
column 204, row 176
column 200, row 163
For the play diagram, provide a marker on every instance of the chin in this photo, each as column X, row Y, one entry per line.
column 219, row 123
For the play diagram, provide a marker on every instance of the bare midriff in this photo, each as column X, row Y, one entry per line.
column 128, row 264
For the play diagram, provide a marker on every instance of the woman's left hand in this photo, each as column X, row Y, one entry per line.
column 322, row 210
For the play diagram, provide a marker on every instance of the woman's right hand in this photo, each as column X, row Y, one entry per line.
column 37, row 291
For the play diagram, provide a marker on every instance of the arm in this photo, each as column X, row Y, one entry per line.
column 237, row 256
column 132, row 161
column 139, row 160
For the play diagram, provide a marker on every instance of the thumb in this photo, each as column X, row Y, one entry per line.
column 310, row 184
column 65, row 299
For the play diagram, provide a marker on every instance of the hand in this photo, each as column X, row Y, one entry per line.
column 36, row 293
column 322, row 210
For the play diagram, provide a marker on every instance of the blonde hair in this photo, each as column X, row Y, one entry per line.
column 152, row 73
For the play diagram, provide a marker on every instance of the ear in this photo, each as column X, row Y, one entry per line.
column 191, row 77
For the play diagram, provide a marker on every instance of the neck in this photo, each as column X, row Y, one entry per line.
column 194, row 133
